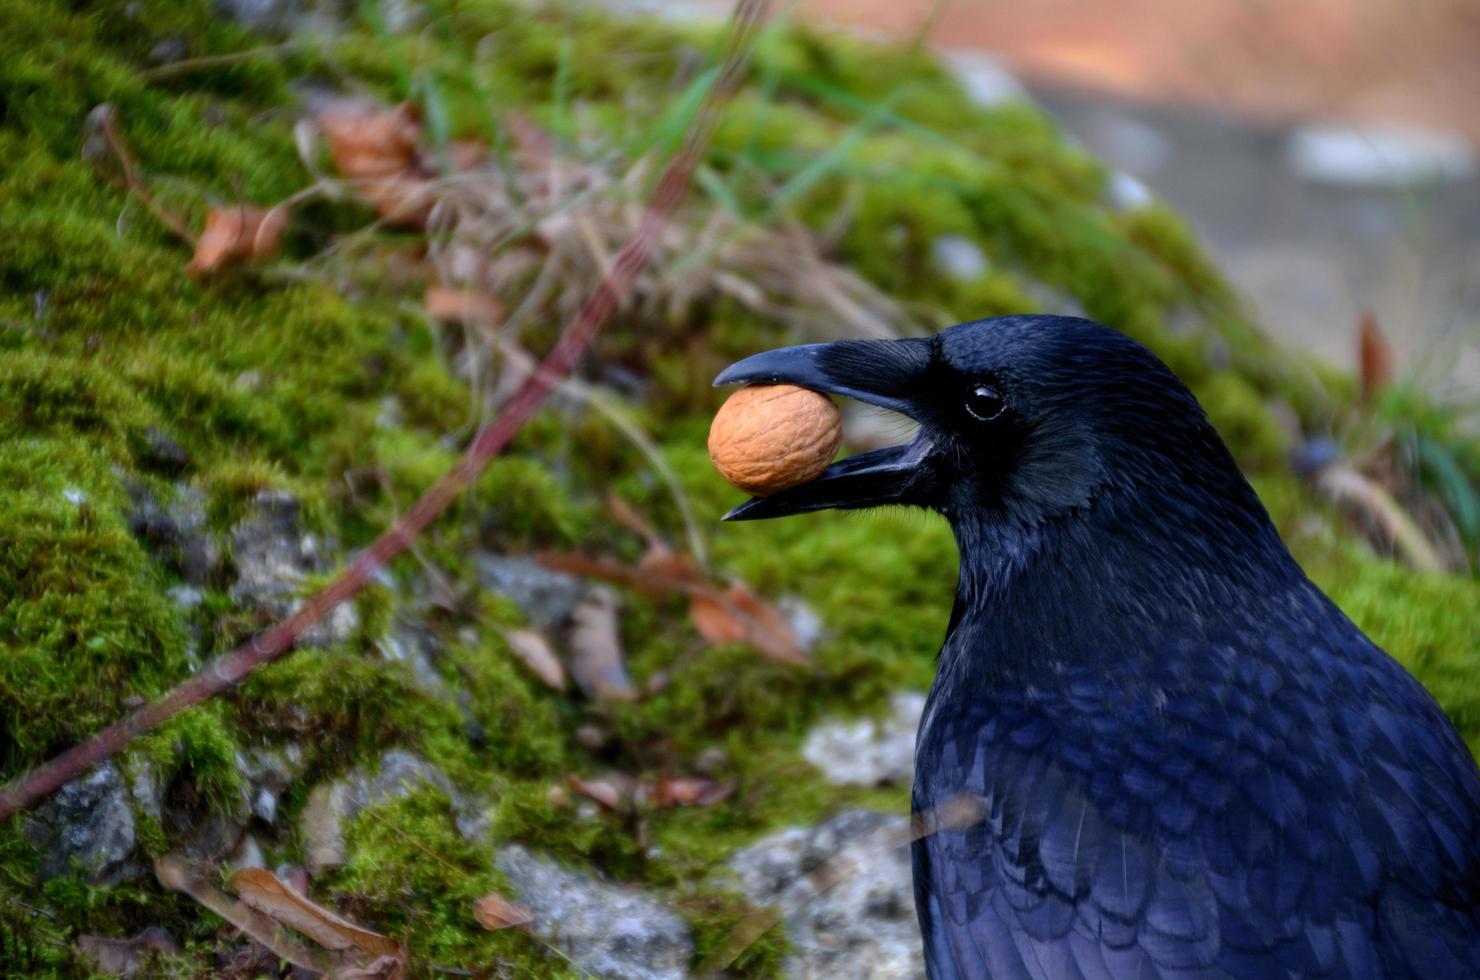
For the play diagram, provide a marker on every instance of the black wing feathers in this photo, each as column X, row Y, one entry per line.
column 1284, row 814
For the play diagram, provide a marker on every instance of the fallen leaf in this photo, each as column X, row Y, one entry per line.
column 238, row 232
column 596, row 658
column 471, row 306
column 533, row 146
column 733, row 614
column 535, row 651
column 614, row 792
column 663, row 563
column 685, row 791
column 261, row 890
column 494, row 912
column 738, row 615
column 175, row 873
column 377, row 150
column 608, row 570
column 125, row 957
column 367, row 141
column 1375, row 357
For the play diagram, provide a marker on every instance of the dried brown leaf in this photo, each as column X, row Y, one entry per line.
column 470, row 306
column 538, row 655
column 494, row 912
column 596, row 659
column 175, row 873
column 261, row 890
column 126, row 957
column 366, row 141
column 241, row 231
column 614, row 792
column 738, row 615
column 685, row 791
column 377, row 150
column 1375, row 357
column 669, row 568
column 733, row 614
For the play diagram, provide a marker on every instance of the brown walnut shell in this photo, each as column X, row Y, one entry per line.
column 768, row 438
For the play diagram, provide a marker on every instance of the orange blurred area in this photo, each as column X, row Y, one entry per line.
column 1375, row 60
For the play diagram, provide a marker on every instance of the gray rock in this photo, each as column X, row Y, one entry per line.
column 868, row 752
column 260, row 15
column 161, row 452
column 248, row 854
column 144, row 786
column 267, row 549
column 199, row 554
column 1126, row 193
column 958, row 257
column 407, row 642
column 845, row 892
column 546, row 598
column 176, row 533
column 1378, row 156
column 208, row 835
column 321, row 825
column 607, row 929
column 331, row 806
column 803, row 620
column 273, row 559
column 269, row 771
column 986, row 80
column 88, row 826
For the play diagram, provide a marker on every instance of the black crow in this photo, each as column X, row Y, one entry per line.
column 1189, row 763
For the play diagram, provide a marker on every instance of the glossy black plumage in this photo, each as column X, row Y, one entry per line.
column 1191, row 764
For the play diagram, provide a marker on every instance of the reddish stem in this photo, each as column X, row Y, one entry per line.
column 232, row 668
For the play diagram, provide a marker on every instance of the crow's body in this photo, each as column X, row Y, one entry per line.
column 1189, row 763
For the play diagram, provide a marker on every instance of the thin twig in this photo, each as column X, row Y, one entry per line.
column 184, row 65
column 108, row 122
column 231, row 669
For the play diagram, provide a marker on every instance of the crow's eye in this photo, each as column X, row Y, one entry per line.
column 984, row 403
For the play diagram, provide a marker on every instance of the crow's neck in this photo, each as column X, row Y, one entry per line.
column 1111, row 582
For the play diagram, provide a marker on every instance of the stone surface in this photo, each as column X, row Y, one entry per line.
column 331, row 806
column 986, row 79
column 845, row 892
column 87, row 826
column 175, row 533
column 1381, row 156
column 274, row 557
column 958, row 257
column 546, row 598
column 609, row 930
column 868, row 752
column 804, row 621
column 408, row 642
column 269, row 771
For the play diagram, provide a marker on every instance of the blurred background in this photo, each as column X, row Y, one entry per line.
column 1324, row 151
column 268, row 267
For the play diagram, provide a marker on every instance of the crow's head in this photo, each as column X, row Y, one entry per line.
column 1026, row 423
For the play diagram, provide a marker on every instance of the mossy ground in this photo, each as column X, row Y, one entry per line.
column 267, row 380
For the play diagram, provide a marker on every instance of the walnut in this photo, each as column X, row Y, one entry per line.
column 767, row 438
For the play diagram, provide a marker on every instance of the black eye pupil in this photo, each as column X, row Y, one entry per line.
column 984, row 403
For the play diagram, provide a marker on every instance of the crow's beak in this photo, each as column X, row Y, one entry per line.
column 887, row 373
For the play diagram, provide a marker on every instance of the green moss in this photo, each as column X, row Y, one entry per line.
column 410, row 872
column 275, row 381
